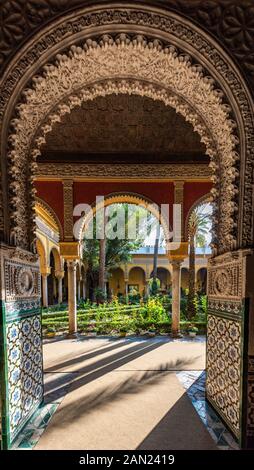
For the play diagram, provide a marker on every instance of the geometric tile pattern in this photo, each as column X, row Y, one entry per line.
column 194, row 383
column 24, row 369
column 224, row 344
column 33, row 430
column 250, row 414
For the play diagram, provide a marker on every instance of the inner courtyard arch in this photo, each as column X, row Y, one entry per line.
column 186, row 69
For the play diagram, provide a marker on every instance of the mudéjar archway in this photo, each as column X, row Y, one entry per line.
column 151, row 52
column 123, row 198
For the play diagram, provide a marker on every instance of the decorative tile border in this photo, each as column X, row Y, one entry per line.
column 31, row 433
column 194, row 383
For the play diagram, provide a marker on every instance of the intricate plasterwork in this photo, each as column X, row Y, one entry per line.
column 180, row 32
column 205, row 199
column 51, row 213
column 159, row 73
column 21, row 281
column 179, row 199
column 123, row 123
column 127, row 171
column 226, row 277
column 68, row 208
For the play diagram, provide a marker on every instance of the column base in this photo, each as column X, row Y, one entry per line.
column 72, row 335
column 176, row 334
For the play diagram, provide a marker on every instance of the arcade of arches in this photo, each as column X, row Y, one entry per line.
column 133, row 103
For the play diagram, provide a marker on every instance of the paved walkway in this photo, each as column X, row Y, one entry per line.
column 122, row 394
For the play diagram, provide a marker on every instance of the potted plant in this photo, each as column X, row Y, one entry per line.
column 192, row 330
column 91, row 330
column 124, row 327
column 50, row 332
column 151, row 332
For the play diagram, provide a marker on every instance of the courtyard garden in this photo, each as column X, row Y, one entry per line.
column 126, row 316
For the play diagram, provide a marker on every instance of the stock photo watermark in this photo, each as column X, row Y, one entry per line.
column 128, row 221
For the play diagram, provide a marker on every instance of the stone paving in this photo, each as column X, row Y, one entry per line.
column 80, row 367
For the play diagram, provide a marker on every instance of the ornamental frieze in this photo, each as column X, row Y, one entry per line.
column 231, row 22
column 147, row 171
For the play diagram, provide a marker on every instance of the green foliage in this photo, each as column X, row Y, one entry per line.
column 192, row 328
column 51, row 329
column 115, row 317
column 118, row 249
column 100, row 295
column 154, row 286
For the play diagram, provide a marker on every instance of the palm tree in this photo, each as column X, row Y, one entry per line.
column 197, row 231
column 156, row 251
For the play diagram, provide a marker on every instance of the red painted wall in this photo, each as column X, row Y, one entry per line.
column 193, row 192
column 52, row 193
column 85, row 192
column 160, row 193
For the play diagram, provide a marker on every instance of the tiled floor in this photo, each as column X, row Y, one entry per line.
column 192, row 381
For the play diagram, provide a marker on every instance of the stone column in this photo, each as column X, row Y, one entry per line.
column 126, row 287
column 60, row 275
column 176, row 297
column 147, row 287
column 44, row 276
column 72, row 297
column 84, row 289
column 78, row 290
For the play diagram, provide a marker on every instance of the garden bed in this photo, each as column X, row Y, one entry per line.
column 116, row 318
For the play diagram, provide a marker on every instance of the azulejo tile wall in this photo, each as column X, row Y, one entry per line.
column 21, row 343
column 227, row 338
column 24, row 358
column 224, row 343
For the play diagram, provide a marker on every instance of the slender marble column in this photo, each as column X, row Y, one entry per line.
column 126, row 287
column 72, row 296
column 176, row 297
column 60, row 290
column 147, row 287
column 59, row 276
column 44, row 290
column 84, row 289
column 78, row 290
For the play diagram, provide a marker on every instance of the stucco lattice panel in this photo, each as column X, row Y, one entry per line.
column 24, row 356
column 224, row 368
column 21, row 281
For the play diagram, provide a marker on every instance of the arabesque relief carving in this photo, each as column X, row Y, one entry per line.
column 162, row 171
column 227, row 277
column 21, row 281
column 64, row 86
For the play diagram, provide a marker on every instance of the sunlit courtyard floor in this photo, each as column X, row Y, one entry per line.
column 131, row 393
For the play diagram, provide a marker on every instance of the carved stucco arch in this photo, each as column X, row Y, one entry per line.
column 124, row 198
column 57, row 258
column 41, row 250
column 160, row 74
column 170, row 29
column 40, row 203
column 206, row 198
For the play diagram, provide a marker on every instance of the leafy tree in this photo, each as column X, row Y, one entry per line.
column 104, row 255
column 199, row 225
